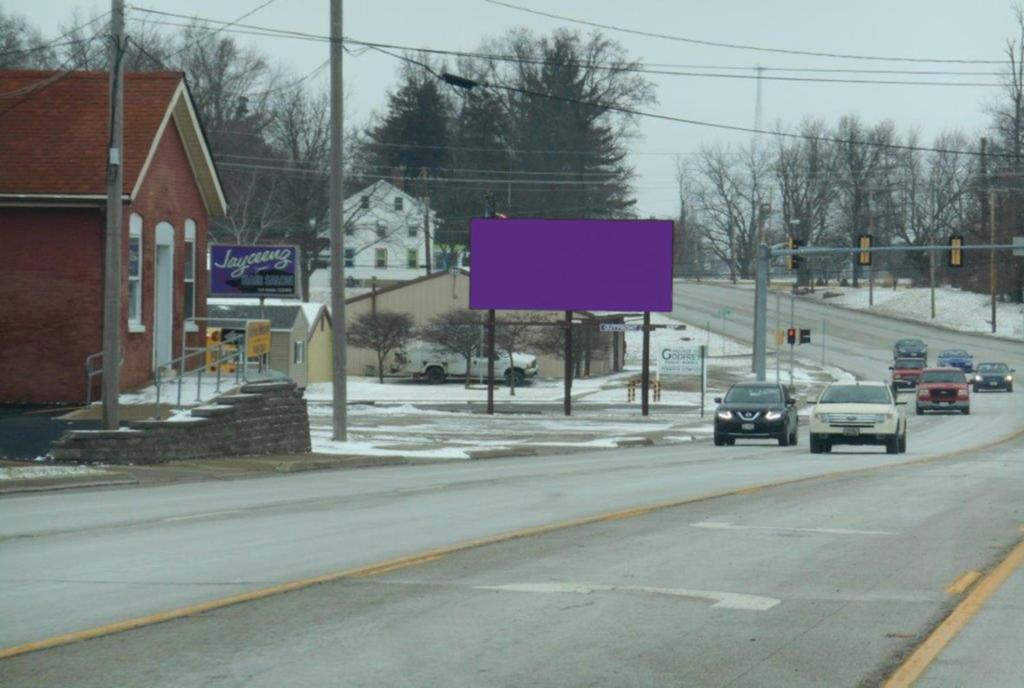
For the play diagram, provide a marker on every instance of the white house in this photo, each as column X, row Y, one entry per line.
column 384, row 236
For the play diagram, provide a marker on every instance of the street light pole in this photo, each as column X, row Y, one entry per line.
column 112, row 244
column 339, row 343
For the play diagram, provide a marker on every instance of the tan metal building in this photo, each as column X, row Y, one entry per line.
column 434, row 294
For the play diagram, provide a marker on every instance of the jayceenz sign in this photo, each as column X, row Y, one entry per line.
column 255, row 271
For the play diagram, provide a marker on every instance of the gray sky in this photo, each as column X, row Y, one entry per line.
column 959, row 29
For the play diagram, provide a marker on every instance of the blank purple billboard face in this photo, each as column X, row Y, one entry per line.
column 579, row 265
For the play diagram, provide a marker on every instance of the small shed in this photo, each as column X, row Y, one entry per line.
column 289, row 331
column 318, row 342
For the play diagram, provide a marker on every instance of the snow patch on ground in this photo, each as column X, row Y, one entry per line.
column 954, row 308
column 34, row 472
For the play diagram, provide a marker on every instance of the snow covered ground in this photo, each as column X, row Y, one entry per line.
column 956, row 309
column 390, row 419
column 46, row 471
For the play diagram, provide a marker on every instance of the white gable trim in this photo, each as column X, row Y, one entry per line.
column 181, row 109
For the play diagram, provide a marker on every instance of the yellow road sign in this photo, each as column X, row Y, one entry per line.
column 257, row 338
column 780, row 337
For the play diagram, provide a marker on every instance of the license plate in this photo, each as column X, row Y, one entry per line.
column 993, row 383
column 852, row 432
column 747, row 426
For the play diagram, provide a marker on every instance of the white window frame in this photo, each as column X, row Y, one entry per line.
column 298, row 352
column 399, row 203
column 377, row 263
column 414, row 254
column 190, row 250
column 382, row 229
column 350, row 257
column 135, row 324
column 414, row 231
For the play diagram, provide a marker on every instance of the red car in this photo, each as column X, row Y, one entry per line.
column 943, row 389
column 905, row 371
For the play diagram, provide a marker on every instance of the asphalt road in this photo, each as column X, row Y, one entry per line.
column 77, row 560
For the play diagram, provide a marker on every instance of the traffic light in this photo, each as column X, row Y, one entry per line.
column 793, row 262
column 805, row 336
column 791, row 336
column 956, row 254
column 864, row 242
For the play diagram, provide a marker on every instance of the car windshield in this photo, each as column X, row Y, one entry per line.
column 941, row 376
column 992, row 368
column 955, row 353
column 753, row 395
column 855, row 394
column 909, row 343
column 915, row 363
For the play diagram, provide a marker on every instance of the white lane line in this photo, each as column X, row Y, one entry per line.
column 722, row 600
column 205, row 514
column 829, row 531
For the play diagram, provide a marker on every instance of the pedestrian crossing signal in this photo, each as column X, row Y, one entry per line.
column 956, row 254
column 791, row 335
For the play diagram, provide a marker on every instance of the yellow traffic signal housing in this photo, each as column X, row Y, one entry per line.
column 793, row 262
column 864, row 241
column 956, row 254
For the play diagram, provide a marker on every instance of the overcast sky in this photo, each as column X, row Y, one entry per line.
column 945, row 29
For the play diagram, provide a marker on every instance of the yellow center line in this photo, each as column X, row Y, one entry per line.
column 435, row 554
column 963, row 581
column 925, row 654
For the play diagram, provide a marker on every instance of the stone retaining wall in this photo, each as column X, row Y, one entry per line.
column 262, row 418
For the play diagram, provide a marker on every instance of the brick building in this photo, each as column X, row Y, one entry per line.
column 53, row 142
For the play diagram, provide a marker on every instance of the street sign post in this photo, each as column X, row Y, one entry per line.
column 621, row 327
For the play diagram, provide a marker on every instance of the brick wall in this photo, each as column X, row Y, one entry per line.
column 265, row 418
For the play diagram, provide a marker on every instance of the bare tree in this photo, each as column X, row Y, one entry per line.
column 381, row 331
column 586, row 343
column 511, row 334
column 456, row 331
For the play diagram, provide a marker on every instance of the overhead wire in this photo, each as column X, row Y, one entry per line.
column 739, row 46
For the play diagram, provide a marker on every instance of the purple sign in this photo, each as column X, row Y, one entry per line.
column 560, row 265
column 254, row 271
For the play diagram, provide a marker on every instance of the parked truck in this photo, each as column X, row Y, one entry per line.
column 435, row 365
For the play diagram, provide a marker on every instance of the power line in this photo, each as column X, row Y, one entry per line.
column 56, row 41
column 738, row 46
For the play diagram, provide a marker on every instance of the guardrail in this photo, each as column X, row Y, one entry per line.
column 236, row 354
column 91, row 371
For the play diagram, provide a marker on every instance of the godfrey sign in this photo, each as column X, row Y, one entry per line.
column 254, row 271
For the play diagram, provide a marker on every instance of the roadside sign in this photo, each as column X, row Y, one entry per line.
column 722, row 312
column 621, row 327
column 780, row 337
column 257, row 338
column 1018, row 246
column 247, row 271
column 679, row 360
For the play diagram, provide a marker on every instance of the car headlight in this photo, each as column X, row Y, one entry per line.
column 822, row 417
column 773, row 415
column 977, row 378
column 725, row 415
column 1009, row 378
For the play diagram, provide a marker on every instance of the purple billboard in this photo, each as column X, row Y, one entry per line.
column 579, row 265
column 254, row 271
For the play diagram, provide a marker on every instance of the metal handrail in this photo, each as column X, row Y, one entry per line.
column 91, row 372
column 238, row 355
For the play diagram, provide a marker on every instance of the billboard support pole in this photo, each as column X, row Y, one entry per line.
column 567, row 401
column 645, row 375
column 761, row 310
column 703, row 376
column 490, row 362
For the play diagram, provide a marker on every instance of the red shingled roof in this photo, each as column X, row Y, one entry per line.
column 53, row 139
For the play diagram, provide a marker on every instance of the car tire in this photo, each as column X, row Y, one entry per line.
column 815, row 444
column 826, row 446
column 435, row 375
column 1009, row 388
column 974, row 388
column 520, row 377
column 903, row 442
column 966, row 411
column 784, row 438
column 892, row 444
column 918, row 410
column 719, row 440
column 795, row 439
column 730, row 441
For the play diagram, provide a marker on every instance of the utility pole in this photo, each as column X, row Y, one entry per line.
column 871, row 231
column 761, row 310
column 931, row 278
column 112, row 244
column 992, row 252
column 339, row 351
column 426, row 217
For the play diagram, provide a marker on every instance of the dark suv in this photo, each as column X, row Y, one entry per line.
column 992, row 376
column 910, row 348
column 758, row 410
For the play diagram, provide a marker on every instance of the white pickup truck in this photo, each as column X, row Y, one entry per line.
column 435, row 365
